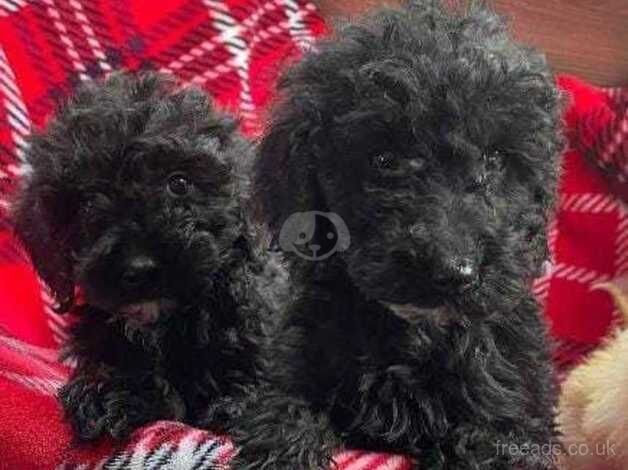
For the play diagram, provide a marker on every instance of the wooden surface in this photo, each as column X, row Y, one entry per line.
column 588, row 38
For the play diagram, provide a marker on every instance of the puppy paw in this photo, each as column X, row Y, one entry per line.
column 220, row 413
column 115, row 407
column 94, row 412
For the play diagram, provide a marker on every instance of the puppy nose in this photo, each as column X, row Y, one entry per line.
column 458, row 274
column 139, row 271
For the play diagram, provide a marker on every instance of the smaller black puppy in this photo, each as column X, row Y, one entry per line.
column 133, row 200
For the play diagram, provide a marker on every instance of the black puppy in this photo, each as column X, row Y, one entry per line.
column 434, row 139
column 133, row 201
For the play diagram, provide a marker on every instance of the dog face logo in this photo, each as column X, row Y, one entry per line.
column 314, row 235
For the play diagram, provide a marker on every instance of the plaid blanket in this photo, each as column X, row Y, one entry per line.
column 234, row 49
column 589, row 235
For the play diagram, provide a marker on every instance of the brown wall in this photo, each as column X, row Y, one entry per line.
column 588, row 38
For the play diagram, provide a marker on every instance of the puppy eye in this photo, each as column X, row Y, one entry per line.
column 384, row 161
column 490, row 164
column 416, row 164
column 417, row 231
column 178, row 185
column 87, row 206
column 478, row 183
column 492, row 159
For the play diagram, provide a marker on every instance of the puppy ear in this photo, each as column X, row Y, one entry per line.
column 44, row 240
column 284, row 174
column 537, row 221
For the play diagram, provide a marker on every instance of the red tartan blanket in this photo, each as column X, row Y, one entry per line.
column 234, row 48
column 589, row 235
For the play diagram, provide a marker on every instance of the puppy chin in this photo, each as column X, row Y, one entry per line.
column 148, row 311
column 443, row 314
column 413, row 313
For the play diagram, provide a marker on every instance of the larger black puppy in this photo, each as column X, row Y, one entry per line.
column 434, row 139
column 134, row 199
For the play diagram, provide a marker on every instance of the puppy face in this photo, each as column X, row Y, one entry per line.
column 133, row 188
column 435, row 142
column 139, row 242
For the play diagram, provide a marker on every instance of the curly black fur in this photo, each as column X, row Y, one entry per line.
column 135, row 198
column 435, row 138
